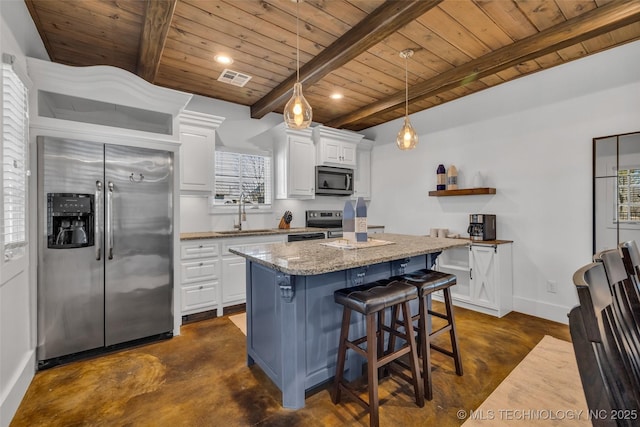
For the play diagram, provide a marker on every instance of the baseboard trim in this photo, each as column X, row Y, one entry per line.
column 545, row 310
column 17, row 389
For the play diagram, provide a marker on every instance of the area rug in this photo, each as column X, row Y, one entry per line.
column 240, row 320
column 543, row 390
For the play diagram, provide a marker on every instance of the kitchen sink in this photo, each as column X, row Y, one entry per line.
column 256, row 230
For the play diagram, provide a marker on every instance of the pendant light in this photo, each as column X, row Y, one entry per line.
column 297, row 112
column 407, row 137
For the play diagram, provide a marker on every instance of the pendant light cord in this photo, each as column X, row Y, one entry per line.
column 406, row 87
column 297, row 41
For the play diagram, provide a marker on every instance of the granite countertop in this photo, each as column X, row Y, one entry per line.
column 257, row 232
column 312, row 257
column 485, row 242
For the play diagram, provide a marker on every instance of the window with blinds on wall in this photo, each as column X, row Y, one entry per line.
column 14, row 165
column 237, row 174
column 629, row 195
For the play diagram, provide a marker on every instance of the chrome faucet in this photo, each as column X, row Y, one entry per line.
column 242, row 214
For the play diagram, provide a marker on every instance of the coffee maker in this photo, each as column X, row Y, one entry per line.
column 70, row 219
column 482, row 227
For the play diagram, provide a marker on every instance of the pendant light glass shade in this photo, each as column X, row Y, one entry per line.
column 297, row 112
column 407, row 138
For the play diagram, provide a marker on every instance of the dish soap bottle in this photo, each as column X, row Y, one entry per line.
column 361, row 220
column 349, row 222
column 452, row 178
column 441, row 183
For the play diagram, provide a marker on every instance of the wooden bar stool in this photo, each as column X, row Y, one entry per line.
column 427, row 282
column 369, row 300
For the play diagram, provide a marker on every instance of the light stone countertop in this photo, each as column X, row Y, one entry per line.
column 256, row 232
column 311, row 257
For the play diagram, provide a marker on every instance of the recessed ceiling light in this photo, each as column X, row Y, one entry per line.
column 336, row 96
column 223, row 59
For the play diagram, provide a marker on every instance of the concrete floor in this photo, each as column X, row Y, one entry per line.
column 200, row 378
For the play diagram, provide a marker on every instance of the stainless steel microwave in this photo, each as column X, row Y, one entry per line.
column 331, row 181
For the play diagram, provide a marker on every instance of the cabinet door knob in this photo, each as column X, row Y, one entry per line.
column 200, row 246
column 201, row 287
column 201, row 264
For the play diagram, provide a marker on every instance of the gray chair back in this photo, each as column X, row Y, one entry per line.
column 601, row 347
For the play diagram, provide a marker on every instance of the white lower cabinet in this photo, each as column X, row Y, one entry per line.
column 234, row 273
column 200, row 268
column 484, row 276
column 213, row 277
column 235, row 276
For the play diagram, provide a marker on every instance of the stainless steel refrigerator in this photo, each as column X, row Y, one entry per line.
column 105, row 250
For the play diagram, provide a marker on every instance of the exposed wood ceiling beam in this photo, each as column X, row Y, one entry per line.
column 381, row 23
column 584, row 27
column 157, row 21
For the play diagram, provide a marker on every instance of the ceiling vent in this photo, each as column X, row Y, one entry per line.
column 233, row 78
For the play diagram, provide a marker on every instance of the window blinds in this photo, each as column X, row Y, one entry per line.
column 15, row 127
column 628, row 194
column 237, row 173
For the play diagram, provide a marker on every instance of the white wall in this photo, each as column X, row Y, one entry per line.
column 532, row 139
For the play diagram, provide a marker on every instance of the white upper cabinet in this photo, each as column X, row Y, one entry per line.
column 295, row 160
column 335, row 147
column 197, row 137
column 362, row 173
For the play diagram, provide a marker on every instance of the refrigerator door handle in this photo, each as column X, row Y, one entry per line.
column 96, row 231
column 109, row 219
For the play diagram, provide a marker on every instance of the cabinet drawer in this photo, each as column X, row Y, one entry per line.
column 199, row 250
column 199, row 296
column 200, row 270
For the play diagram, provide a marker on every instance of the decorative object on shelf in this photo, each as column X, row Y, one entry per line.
column 452, row 178
column 349, row 222
column 441, row 175
column 297, row 112
column 285, row 221
column 407, row 137
column 478, row 180
column 361, row 220
column 463, row 192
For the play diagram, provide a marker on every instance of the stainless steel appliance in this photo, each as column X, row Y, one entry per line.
column 331, row 220
column 332, row 181
column 105, row 249
column 482, row 227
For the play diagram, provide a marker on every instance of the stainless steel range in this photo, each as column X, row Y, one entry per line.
column 331, row 220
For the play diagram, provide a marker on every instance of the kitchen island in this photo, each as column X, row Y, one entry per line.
column 293, row 323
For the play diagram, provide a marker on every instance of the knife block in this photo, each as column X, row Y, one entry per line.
column 283, row 224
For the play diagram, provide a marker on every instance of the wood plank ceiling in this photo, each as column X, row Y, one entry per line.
column 349, row 47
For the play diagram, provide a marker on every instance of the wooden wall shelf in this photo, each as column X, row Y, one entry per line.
column 463, row 192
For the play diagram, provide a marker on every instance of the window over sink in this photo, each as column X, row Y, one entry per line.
column 247, row 175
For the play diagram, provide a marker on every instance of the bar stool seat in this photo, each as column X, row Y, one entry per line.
column 427, row 282
column 371, row 300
